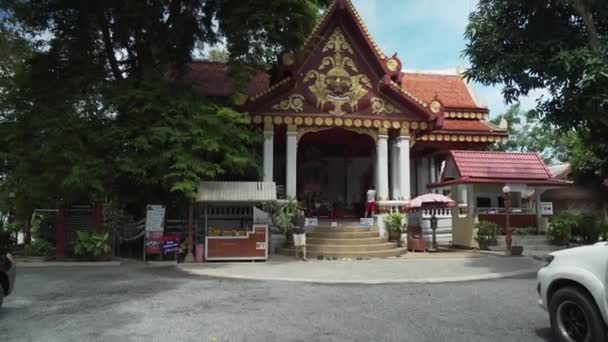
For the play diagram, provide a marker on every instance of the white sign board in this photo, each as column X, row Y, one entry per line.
column 155, row 218
column 546, row 208
column 311, row 222
column 366, row 221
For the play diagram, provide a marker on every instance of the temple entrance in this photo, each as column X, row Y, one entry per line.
column 335, row 169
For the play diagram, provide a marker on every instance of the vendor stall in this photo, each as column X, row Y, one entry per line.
column 234, row 228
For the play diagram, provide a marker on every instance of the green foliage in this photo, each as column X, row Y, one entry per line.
column 587, row 229
column 94, row 94
column 92, row 246
column 486, row 233
column 558, row 46
column 519, row 235
column 282, row 214
column 395, row 221
column 604, row 231
column 561, row 226
column 41, row 247
column 528, row 134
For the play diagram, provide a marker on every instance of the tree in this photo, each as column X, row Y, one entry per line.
column 528, row 134
column 560, row 46
column 101, row 105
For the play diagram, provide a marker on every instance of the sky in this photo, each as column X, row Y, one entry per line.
column 428, row 35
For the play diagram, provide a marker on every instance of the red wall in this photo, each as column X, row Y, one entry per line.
column 518, row 221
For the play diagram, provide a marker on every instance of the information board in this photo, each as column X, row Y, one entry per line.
column 155, row 218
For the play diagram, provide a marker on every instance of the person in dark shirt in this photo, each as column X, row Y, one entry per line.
column 299, row 234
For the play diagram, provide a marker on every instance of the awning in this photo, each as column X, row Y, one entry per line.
column 241, row 192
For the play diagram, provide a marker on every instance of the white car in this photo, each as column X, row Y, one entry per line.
column 572, row 287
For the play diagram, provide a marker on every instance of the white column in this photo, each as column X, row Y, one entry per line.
column 292, row 155
column 268, row 154
column 395, row 189
column 404, row 166
column 432, row 171
column 538, row 208
column 382, row 162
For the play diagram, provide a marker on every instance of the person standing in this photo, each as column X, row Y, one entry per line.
column 299, row 234
column 370, row 205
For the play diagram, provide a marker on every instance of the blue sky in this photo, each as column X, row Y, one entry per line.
column 428, row 35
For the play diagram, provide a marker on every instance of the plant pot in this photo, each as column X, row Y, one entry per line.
column 289, row 239
column 517, row 250
column 484, row 245
column 394, row 236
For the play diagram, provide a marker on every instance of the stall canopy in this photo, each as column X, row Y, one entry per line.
column 241, row 192
column 470, row 167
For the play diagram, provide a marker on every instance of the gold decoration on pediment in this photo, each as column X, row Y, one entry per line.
column 396, row 124
column 338, row 122
column 308, row 121
column 348, row 122
column 358, row 122
column 294, row 102
column 329, row 121
column 379, row 106
column 435, row 106
column 257, row 119
column 414, row 125
column 367, row 123
column 278, row 120
column 337, row 79
column 299, row 120
column 337, row 42
column 392, row 64
column 318, row 121
column 288, row 120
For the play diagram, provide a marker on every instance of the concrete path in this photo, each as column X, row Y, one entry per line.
column 414, row 268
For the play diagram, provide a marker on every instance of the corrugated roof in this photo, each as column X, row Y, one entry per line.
column 500, row 165
column 451, row 90
column 219, row 192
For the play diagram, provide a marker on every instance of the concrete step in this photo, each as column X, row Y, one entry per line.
column 350, row 248
column 385, row 253
column 342, row 235
column 344, row 241
column 343, row 229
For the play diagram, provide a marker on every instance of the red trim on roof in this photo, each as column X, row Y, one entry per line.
column 470, row 126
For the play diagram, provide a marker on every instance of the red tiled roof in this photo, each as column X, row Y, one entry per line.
column 499, row 167
column 451, row 90
column 469, row 126
column 212, row 79
column 493, row 164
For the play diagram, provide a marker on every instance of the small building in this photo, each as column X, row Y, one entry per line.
column 476, row 179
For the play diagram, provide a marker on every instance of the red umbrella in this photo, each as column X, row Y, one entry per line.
column 430, row 201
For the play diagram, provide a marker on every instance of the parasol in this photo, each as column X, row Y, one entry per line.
column 432, row 201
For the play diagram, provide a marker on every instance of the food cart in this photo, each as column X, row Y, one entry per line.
column 233, row 226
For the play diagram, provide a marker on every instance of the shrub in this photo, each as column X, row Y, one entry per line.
column 486, row 233
column 587, row 229
column 41, row 247
column 395, row 221
column 604, row 230
column 92, row 246
column 560, row 229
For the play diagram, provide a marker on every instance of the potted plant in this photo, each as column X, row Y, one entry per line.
column 517, row 248
column 394, row 223
column 282, row 215
column 486, row 234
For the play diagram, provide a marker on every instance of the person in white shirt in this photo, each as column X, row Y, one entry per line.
column 370, row 206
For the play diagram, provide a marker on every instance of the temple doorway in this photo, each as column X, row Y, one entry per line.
column 335, row 169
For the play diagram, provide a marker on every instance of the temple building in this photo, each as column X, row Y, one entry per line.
column 344, row 116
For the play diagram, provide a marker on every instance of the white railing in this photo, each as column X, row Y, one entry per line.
column 391, row 206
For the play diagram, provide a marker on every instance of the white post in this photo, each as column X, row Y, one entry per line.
column 268, row 153
column 404, row 166
column 433, row 170
column 395, row 188
column 538, row 208
column 292, row 155
column 382, row 163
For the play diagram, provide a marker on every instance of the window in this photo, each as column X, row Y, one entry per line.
column 484, row 202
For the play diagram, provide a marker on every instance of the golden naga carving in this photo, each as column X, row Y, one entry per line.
column 337, row 80
column 379, row 106
column 294, row 102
